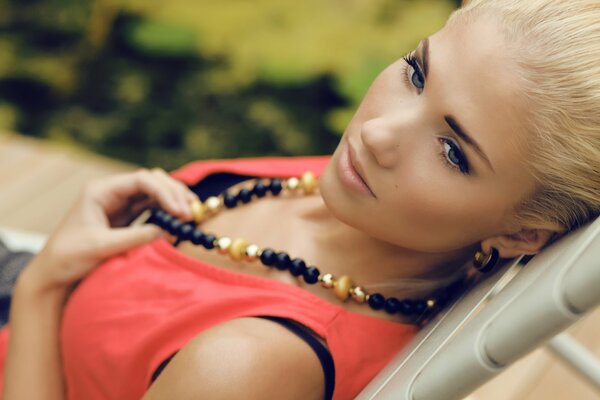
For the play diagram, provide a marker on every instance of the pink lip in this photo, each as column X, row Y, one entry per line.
column 350, row 171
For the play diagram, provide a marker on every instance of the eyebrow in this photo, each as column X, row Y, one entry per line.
column 425, row 55
column 460, row 132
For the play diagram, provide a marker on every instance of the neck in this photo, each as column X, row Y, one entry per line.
column 343, row 250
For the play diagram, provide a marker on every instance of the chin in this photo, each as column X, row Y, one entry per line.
column 335, row 198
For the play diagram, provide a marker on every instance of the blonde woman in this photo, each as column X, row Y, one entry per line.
column 482, row 143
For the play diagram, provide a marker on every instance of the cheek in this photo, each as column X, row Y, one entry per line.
column 423, row 202
column 431, row 208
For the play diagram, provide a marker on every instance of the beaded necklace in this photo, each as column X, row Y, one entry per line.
column 240, row 250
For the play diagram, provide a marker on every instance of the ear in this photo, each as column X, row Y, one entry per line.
column 525, row 241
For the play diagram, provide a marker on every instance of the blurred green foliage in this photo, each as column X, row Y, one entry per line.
column 163, row 83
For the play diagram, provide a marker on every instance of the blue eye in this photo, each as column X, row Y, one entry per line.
column 417, row 79
column 453, row 155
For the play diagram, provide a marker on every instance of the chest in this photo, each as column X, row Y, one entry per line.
column 275, row 223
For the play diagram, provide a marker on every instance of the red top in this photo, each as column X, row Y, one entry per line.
column 138, row 308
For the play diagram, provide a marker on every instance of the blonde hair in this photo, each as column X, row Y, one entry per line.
column 558, row 54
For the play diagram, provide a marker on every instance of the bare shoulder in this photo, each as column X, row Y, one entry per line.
column 248, row 358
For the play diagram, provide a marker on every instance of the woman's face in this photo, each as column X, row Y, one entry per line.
column 440, row 142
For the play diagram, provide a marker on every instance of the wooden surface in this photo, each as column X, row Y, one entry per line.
column 39, row 182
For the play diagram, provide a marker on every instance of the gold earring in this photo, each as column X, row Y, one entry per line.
column 484, row 263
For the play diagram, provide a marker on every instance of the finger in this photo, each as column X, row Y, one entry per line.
column 137, row 208
column 179, row 193
column 182, row 193
column 113, row 193
column 132, row 212
column 122, row 239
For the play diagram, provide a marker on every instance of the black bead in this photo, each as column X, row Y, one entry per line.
column 165, row 221
column 174, row 225
column 311, row 275
column 197, row 237
column 245, row 195
column 260, row 190
column 391, row 305
column 454, row 289
column 376, row 301
column 155, row 216
column 185, row 231
column 297, row 267
column 267, row 257
column 282, row 261
column 208, row 241
column 420, row 306
column 407, row 307
column 441, row 302
column 275, row 186
column 442, row 297
column 230, row 200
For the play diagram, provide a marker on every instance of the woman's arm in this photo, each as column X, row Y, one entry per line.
column 33, row 366
column 93, row 230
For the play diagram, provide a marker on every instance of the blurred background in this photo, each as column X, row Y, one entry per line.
column 161, row 83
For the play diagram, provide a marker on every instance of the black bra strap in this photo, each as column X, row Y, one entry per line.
column 162, row 366
column 321, row 351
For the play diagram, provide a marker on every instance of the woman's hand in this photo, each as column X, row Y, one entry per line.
column 96, row 226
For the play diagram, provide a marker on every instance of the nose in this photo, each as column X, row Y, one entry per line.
column 385, row 137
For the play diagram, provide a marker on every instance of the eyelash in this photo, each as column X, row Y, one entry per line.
column 411, row 61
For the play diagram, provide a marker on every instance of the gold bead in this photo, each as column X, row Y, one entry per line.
column 198, row 211
column 308, row 182
column 327, row 280
column 430, row 303
column 237, row 248
column 479, row 257
column 292, row 183
column 223, row 245
column 251, row 252
column 358, row 294
column 213, row 204
column 342, row 287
